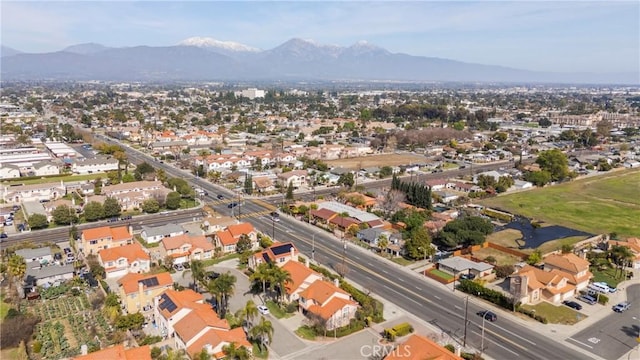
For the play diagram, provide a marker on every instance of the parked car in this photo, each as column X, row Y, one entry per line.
column 467, row 276
column 621, row 307
column 4, row 236
column 606, row 286
column 488, row 315
column 572, row 304
column 220, row 197
column 178, row 267
column 232, row 205
column 588, row 299
column 599, row 287
column 126, row 217
column 263, row 310
column 213, row 275
column 113, row 219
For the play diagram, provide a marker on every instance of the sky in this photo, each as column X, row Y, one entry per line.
column 562, row 36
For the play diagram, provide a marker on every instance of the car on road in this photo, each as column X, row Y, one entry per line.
column 275, row 216
column 621, row 307
column 220, row 197
column 263, row 310
column 572, row 304
column 213, row 275
column 4, row 236
column 178, row 267
column 232, row 205
column 126, row 217
column 588, row 299
column 488, row 315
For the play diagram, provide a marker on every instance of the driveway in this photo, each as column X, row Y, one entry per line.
column 616, row 334
column 284, row 340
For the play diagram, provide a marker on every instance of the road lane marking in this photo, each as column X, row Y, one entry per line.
column 457, row 307
column 400, row 280
column 418, row 288
column 437, row 297
column 514, row 334
column 497, row 344
column 580, row 342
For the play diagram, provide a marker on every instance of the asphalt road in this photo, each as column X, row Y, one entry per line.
column 616, row 334
column 61, row 234
column 503, row 339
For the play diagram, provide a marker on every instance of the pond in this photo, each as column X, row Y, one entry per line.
column 536, row 236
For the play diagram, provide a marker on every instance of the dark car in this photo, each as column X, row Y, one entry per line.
column 488, row 315
column 126, row 217
column 213, row 275
column 4, row 236
column 232, row 205
column 467, row 276
column 220, row 197
column 572, row 304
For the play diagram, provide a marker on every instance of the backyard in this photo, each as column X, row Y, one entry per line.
column 556, row 314
column 581, row 204
column 501, row 258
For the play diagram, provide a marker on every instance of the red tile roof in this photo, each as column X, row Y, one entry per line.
column 130, row 282
column 118, row 352
column 117, row 233
column 418, row 347
column 131, row 252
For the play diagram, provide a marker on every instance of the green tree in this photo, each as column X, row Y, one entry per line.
column 233, row 352
column 198, row 273
column 538, row 178
column 93, row 211
column 111, row 207
column 262, row 331
column 346, row 180
column 419, row 244
column 621, row 256
column 262, row 274
column 248, row 312
column 244, row 244
column 17, row 267
column 386, row 171
column 150, row 206
column 555, row 163
column 181, row 186
column 279, row 279
column 38, row 221
column 534, row 258
column 289, row 195
column 64, row 215
column 248, row 184
column 222, row 288
column 130, row 322
column 173, row 200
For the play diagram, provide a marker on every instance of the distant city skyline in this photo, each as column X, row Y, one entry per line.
column 569, row 36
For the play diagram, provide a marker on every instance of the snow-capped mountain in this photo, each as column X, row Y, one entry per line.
column 207, row 42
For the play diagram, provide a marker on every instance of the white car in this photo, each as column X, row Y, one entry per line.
column 263, row 310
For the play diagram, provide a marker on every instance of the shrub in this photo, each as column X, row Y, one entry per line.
column 502, row 271
column 493, row 296
column 603, row 299
column 451, row 348
column 402, row 329
column 354, row 326
column 37, row 346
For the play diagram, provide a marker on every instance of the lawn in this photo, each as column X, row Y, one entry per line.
column 306, row 332
column 556, row 314
column 4, row 308
column 506, row 238
column 607, row 276
column 441, row 274
column 401, row 261
column 602, row 204
column 502, row 258
column 376, row 160
column 276, row 310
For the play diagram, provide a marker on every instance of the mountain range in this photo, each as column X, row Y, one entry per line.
column 207, row 59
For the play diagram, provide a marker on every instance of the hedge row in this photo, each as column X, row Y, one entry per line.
column 493, row 296
column 398, row 331
column 532, row 314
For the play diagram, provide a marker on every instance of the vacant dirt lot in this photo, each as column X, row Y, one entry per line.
column 377, row 160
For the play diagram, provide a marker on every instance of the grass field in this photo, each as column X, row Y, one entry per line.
column 506, row 238
column 377, row 160
column 602, row 204
column 55, row 179
column 556, row 314
column 502, row 258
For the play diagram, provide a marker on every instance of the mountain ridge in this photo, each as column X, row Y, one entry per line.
column 204, row 59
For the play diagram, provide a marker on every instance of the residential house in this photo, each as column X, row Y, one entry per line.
column 185, row 248
column 372, row 235
column 42, row 255
column 227, row 239
column 278, row 253
column 458, row 265
column 33, row 192
column 301, row 277
column 326, row 302
column 576, row 267
column 531, row 285
column 634, row 245
column 262, row 184
column 105, row 237
column 43, row 168
column 118, row 352
column 213, row 224
column 120, row 260
column 95, row 165
column 418, row 347
column 9, row 171
column 153, row 234
column 137, row 291
column 37, row 274
column 194, row 325
column 295, row 178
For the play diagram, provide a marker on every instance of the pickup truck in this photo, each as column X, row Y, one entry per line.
column 621, row 307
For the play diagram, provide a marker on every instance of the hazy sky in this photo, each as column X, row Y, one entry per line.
column 535, row 35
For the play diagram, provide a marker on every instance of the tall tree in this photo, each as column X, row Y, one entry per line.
column 93, row 211
column 279, row 280
column 37, row 221
column 64, row 215
column 555, row 162
column 262, row 331
column 111, row 207
column 198, row 273
column 222, row 288
column 262, row 274
column 233, row 352
column 248, row 312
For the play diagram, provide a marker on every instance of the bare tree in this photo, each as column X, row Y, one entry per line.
column 391, row 201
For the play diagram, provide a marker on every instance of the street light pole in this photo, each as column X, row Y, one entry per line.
column 466, row 308
column 313, row 247
column 484, row 317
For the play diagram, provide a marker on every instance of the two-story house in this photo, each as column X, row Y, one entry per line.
column 530, row 285
column 576, row 267
column 95, row 165
column 227, row 239
column 325, row 302
column 105, row 237
column 120, row 260
column 295, row 178
column 194, row 325
column 137, row 292
column 301, row 277
column 278, row 253
column 153, row 234
column 184, row 248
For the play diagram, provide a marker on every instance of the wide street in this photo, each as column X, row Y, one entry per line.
column 616, row 334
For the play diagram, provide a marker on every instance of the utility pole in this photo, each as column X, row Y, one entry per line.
column 313, row 248
column 466, row 308
column 273, row 230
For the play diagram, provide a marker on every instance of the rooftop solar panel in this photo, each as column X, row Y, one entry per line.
column 167, row 303
column 281, row 249
column 150, row 282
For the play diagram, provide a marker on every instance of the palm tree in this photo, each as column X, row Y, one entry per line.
column 236, row 353
column 222, row 288
column 248, row 313
column 279, row 280
column 621, row 255
column 262, row 274
column 262, row 331
column 198, row 273
column 383, row 242
column 17, row 266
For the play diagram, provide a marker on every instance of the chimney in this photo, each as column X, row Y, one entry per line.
column 336, row 282
column 293, row 252
column 130, row 230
